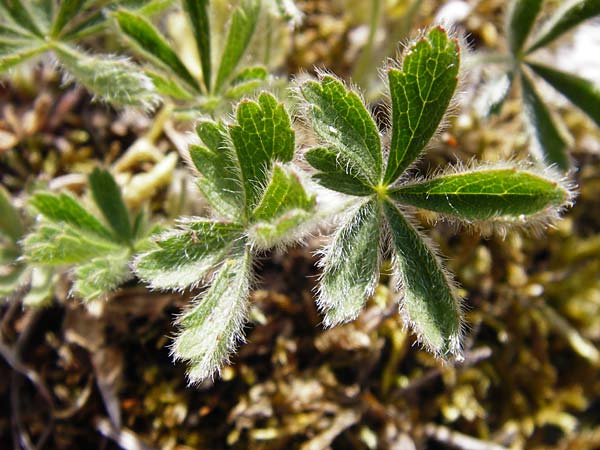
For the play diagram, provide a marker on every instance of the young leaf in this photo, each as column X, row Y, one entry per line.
column 581, row 92
column 67, row 10
column 220, row 179
column 152, row 44
column 14, row 53
column 336, row 174
column 427, row 299
column 10, row 222
column 183, row 257
column 113, row 79
column 339, row 117
column 197, row 11
column 211, row 329
column 62, row 208
column 59, row 243
column 550, row 143
column 350, row 265
column 167, row 87
column 284, row 192
column 484, row 194
column 107, row 196
column 263, row 134
column 520, row 18
column 241, row 29
column 567, row 16
column 421, row 93
column 102, row 275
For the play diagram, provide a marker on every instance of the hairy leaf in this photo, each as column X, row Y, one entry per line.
column 241, row 29
column 197, row 11
column 113, row 79
column 183, row 257
column 220, row 179
column 16, row 52
column 421, row 93
column 340, row 119
column 351, row 265
column 63, row 208
column 60, row 243
column 10, row 221
column 284, row 229
column 581, row 92
column 148, row 40
column 336, row 174
column 102, row 275
column 210, row 330
column 284, row 192
column 250, row 74
column 520, row 19
column 107, row 196
column 168, row 87
column 427, row 298
column 41, row 287
column 551, row 146
column 485, row 194
column 567, row 16
column 263, row 135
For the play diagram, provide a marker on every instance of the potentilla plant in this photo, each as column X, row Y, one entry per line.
column 353, row 159
column 259, row 202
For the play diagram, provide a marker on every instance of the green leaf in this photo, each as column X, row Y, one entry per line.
column 421, row 93
column 10, row 220
column 351, row 265
column 264, row 135
column 167, row 87
column 14, row 53
column 581, row 92
column 67, row 11
column 568, row 15
column 211, row 328
column 100, row 276
column 244, row 89
column 520, row 19
column 147, row 39
column 114, row 79
column 12, row 280
column 427, row 299
column 485, row 194
column 491, row 97
column 283, row 210
column 183, row 257
column 197, row 11
column 250, row 74
column 107, row 196
column 341, row 120
column 64, row 209
column 220, row 178
column 20, row 15
column 241, row 29
column 336, row 174
column 58, row 243
column 550, row 145
column 284, row 192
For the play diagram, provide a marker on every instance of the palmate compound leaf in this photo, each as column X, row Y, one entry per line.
column 241, row 29
column 570, row 14
column 197, row 11
column 351, row 260
column 351, row 265
column 421, row 93
column 263, row 135
column 212, row 327
column 431, row 307
column 185, row 256
column 550, row 144
column 507, row 193
column 283, row 211
column 520, row 19
column 581, row 92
